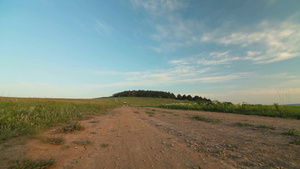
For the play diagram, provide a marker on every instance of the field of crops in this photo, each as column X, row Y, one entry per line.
column 274, row 110
column 19, row 116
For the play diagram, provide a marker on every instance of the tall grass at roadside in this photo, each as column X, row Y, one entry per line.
column 149, row 101
column 28, row 116
column 30, row 163
column 247, row 109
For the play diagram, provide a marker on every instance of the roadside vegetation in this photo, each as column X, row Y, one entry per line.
column 206, row 119
column 261, row 110
column 72, row 127
column 30, row 163
column 53, row 140
column 149, row 101
column 292, row 132
column 82, row 143
column 29, row 116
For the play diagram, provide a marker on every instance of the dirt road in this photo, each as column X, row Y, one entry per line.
column 131, row 137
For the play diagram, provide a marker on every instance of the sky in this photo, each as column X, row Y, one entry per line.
column 233, row 50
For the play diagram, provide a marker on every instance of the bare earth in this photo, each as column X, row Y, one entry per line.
column 129, row 138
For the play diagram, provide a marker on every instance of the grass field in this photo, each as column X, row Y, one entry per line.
column 260, row 110
column 27, row 116
column 149, row 101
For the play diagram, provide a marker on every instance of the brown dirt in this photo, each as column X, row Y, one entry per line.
column 131, row 137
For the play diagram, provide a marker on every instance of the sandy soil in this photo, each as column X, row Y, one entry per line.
column 129, row 137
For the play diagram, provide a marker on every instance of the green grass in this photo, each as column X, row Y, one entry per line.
column 72, row 127
column 104, row 145
column 242, row 124
column 167, row 112
column 292, row 132
column 33, row 164
column 53, row 140
column 246, row 109
column 148, row 101
column 82, row 143
column 262, row 126
column 150, row 114
column 206, row 119
column 20, row 116
column 296, row 142
column 94, row 121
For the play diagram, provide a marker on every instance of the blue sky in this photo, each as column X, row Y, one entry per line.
column 239, row 51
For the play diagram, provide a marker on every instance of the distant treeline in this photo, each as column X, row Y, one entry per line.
column 159, row 94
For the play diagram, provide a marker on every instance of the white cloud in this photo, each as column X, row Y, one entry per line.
column 177, row 33
column 102, row 28
column 265, row 43
column 272, row 42
column 177, row 74
column 213, row 58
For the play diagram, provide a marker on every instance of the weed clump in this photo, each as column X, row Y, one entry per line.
column 242, row 124
column 94, row 121
column 296, row 142
column 72, row 127
column 33, row 164
column 262, row 126
column 104, row 145
column 82, row 143
column 292, row 132
column 206, row 119
column 150, row 114
column 53, row 140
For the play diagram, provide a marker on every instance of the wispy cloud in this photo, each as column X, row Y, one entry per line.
column 213, row 58
column 102, row 28
column 270, row 42
column 266, row 42
column 158, row 7
column 177, row 33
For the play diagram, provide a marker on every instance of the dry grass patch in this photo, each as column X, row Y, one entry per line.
column 292, row 132
column 53, row 140
column 82, row 143
column 33, row 164
column 104, row 145
column 206, row 119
